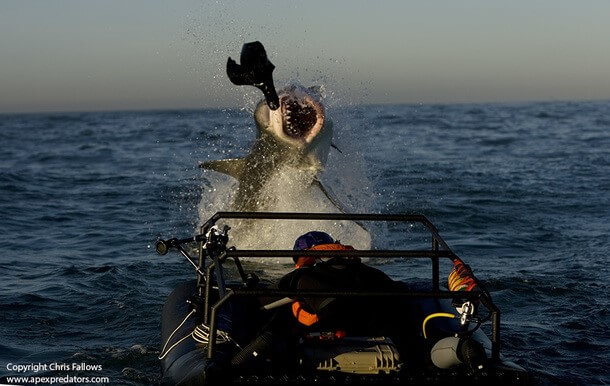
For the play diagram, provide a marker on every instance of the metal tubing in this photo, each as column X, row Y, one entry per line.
column 316, row 293
column 495, row 326
column 176, row 242
column 189, row 258
column 241, row 271
column 333, row 253
column 435, row 268
column 495, row 335
column 418, row 218
column 212, row 335
column 208, row 291
column 435, row 235
column 435, row 274
column 220, row 277
column 200, row 278
column 439, row 249
column 318, row 216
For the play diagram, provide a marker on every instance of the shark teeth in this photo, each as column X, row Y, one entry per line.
column 299, row 116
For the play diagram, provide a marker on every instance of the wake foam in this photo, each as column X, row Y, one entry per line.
column 290, row 190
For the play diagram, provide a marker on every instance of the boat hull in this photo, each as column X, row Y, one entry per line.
column 187, row 363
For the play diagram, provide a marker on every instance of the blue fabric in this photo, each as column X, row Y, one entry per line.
column 311, row 239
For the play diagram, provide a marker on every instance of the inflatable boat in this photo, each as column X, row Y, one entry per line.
column 221, row 328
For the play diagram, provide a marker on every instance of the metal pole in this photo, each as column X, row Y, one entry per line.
column 495, row 325
column 213, row 332
column 435, row 267
column 316, row 216
column 220, row 279
column 337, row 253
column 208, row 290
column 495, row 335
column 200, row 278
column 353, row 293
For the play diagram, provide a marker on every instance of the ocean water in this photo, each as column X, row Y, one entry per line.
column 520, row 191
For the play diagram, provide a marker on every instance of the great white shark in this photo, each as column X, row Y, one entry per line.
column 292, row 144
column 295, row 137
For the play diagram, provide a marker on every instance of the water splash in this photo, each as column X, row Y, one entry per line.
column 291, row 190
column 288, row 191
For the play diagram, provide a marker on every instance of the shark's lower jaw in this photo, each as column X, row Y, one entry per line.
column 301, row 117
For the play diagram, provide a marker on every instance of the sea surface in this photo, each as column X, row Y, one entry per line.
column 520, row 191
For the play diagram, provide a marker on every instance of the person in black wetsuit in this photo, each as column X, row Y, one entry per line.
column 354, row 315
column 338, row 273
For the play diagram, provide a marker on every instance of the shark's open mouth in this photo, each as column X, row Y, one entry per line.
column 299, row 115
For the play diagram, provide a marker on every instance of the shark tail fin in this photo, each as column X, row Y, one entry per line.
column 232, row 167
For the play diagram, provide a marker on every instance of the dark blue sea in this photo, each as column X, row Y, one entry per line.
column 520, row 191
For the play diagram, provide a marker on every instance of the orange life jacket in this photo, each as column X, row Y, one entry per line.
column 303, row 316
column 309, row 261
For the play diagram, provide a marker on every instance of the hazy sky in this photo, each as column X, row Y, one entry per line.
column 144, row 54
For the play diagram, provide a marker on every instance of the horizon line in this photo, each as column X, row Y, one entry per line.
column 234, row 108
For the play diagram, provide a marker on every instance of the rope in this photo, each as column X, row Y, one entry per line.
column 164, row 353
column 200, row 334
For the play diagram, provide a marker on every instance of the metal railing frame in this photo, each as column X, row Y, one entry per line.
column 439, row 249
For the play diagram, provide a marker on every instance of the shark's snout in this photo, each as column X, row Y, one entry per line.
column 299, row 119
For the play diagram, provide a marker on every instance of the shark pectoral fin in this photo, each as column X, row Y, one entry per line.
column 318, row 183
column 232, row 167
